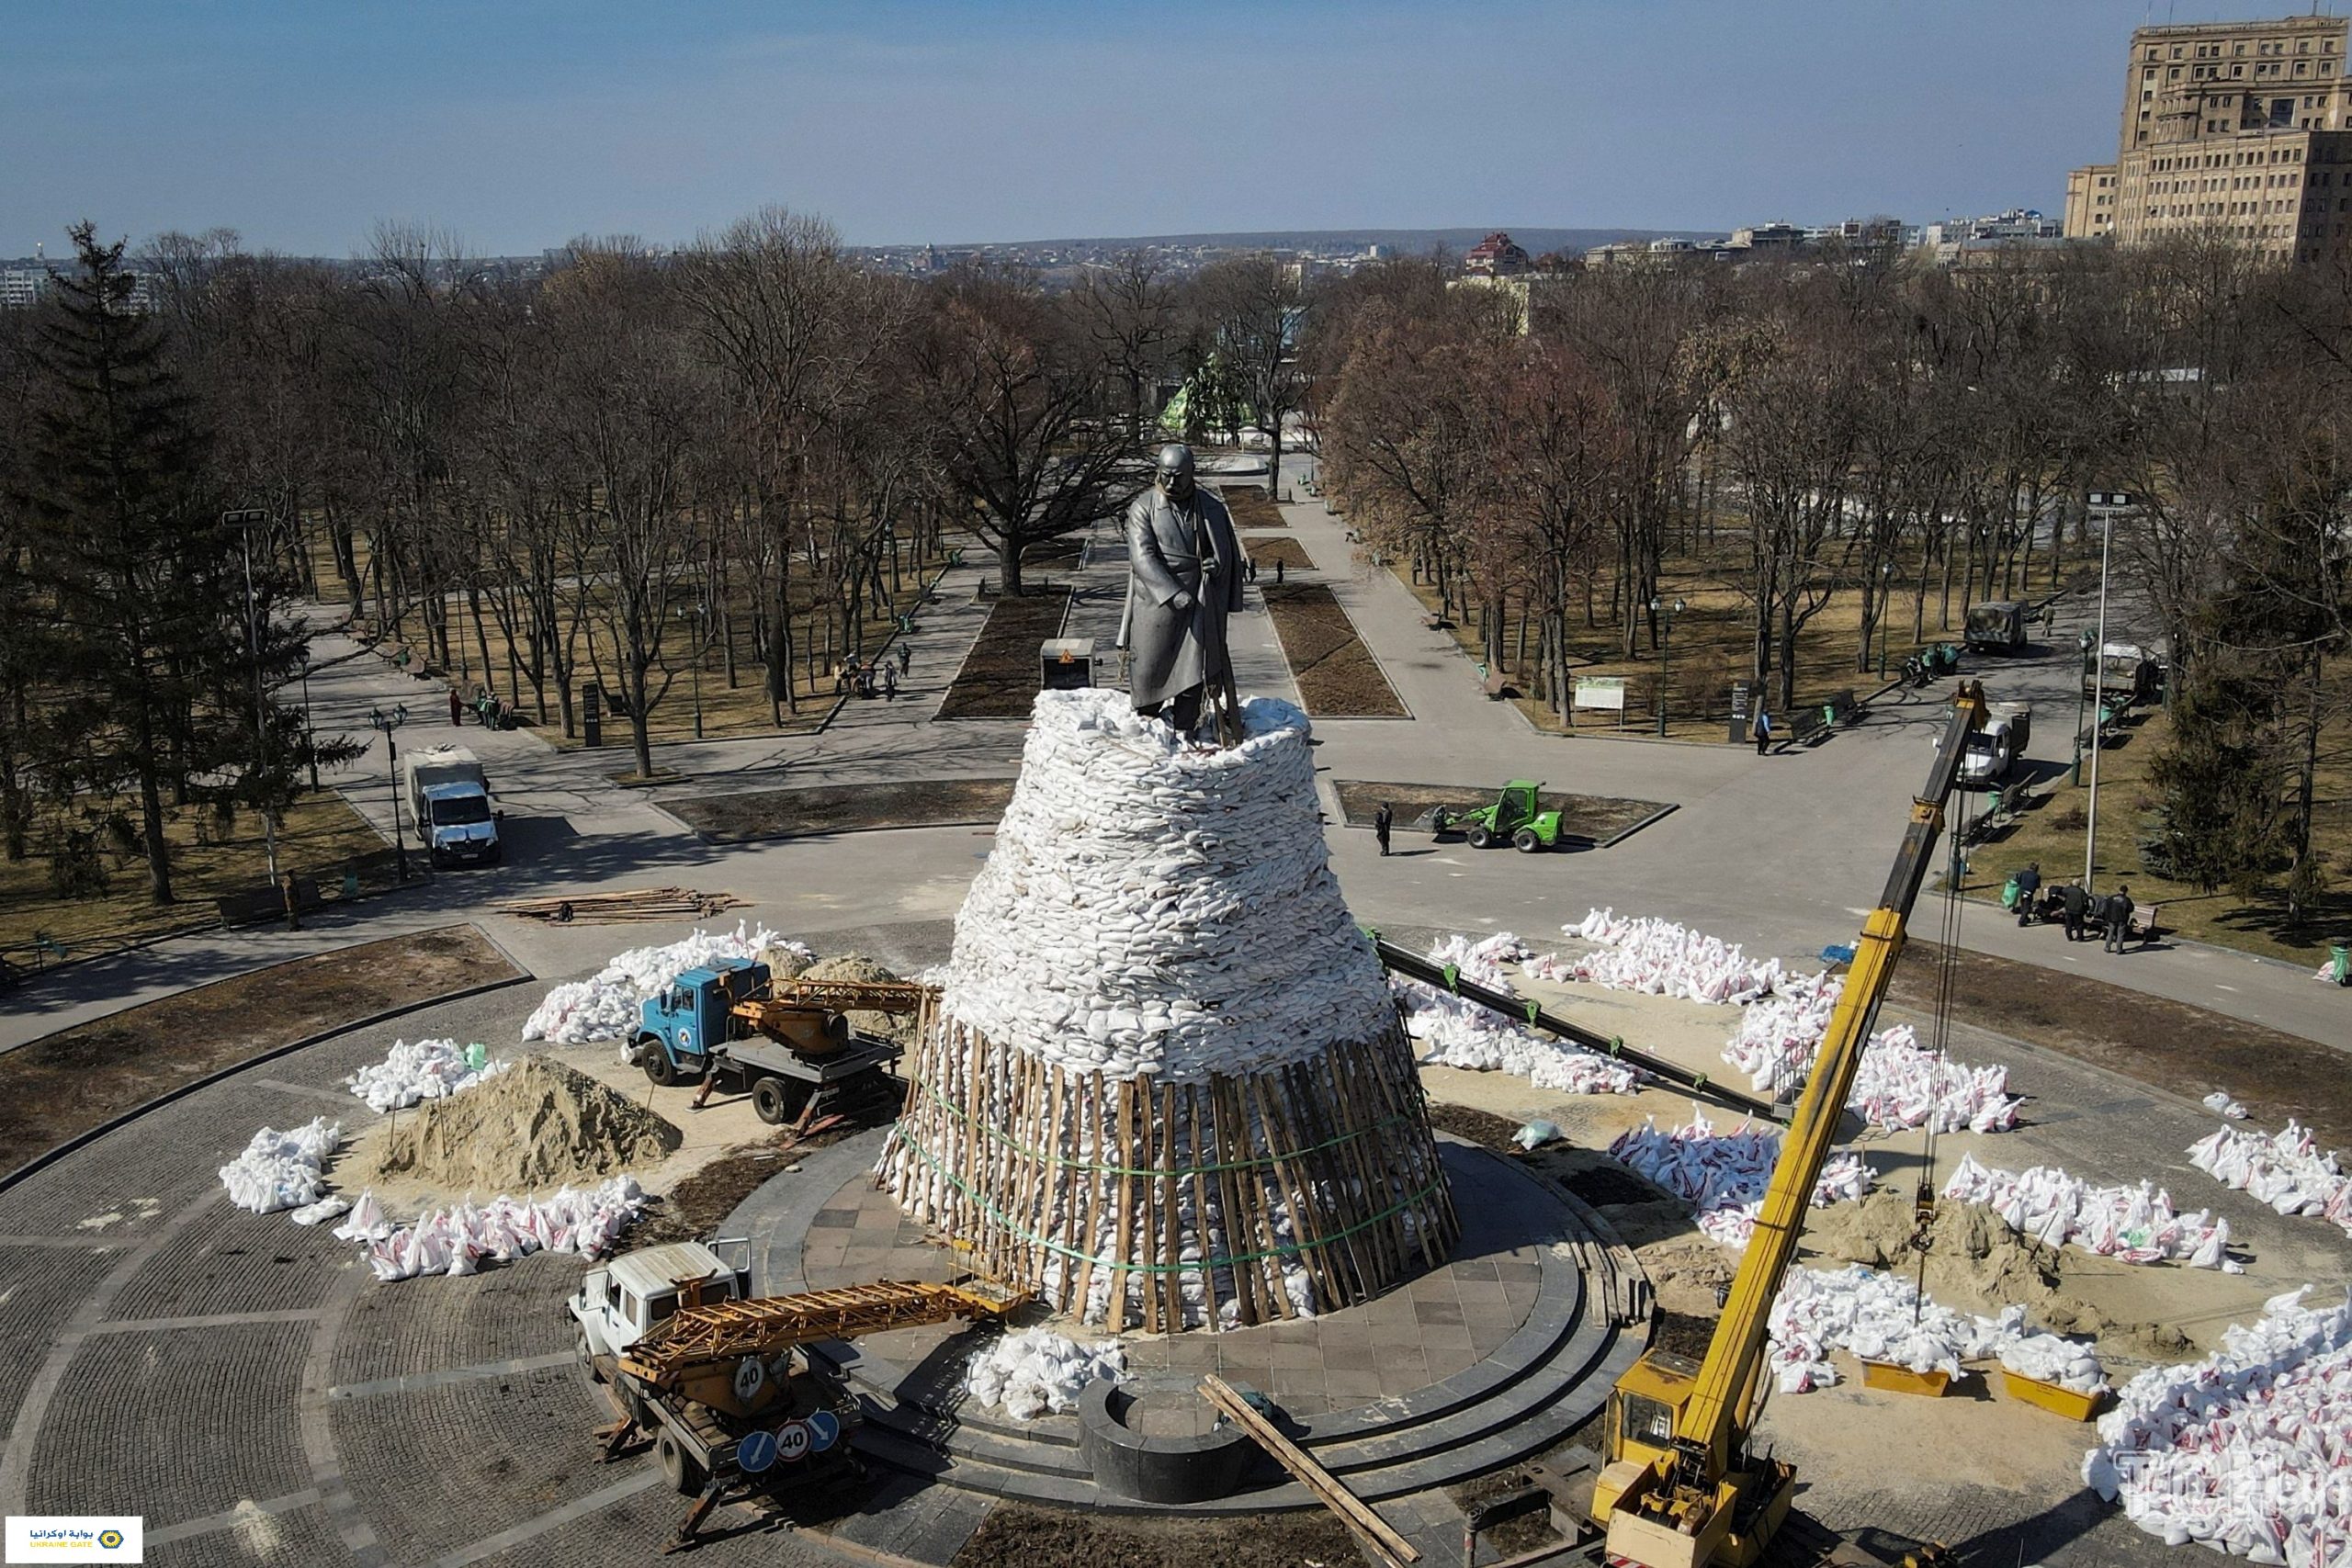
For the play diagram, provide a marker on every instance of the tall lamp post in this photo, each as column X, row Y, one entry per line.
column 388, row 722
column 1885, row 586
column 245, row 520
column 309, row 734
column 1665, row 653
column 2098, row 693
column 2083, row 643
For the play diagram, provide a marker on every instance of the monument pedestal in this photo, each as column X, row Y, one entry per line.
column 1165, row 1086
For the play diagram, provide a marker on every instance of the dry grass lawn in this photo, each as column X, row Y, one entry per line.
column 322, row 837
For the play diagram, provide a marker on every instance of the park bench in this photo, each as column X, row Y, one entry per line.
column 261, row 904
column 1435, row 621
column 1806, row 726
column 1496, row 686
column 1840, row 708
column 2002, row 807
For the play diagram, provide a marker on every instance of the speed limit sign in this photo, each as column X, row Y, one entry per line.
column 792, row 1441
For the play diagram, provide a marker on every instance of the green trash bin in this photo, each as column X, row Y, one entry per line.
column 2009, row 894
column 2339, row 955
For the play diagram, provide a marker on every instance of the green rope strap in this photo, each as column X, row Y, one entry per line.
column 1005, row 1221
column 1056, row 1161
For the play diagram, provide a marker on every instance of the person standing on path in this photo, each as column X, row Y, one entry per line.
column 906, row 658
column 1382, row 820
column 889, row 683
column 1763, row 730
column 2028, row 888
column 1278, row 571
column 456, row 709
column 2118, row 919
column 2075, row 903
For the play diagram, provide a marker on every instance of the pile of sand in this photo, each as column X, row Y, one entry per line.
column 858, row 969
column 538, row 1124
column 1976, row 1264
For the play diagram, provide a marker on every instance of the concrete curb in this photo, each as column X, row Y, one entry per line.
column 81, row 1140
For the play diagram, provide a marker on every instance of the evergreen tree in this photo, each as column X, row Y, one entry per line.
column 143, row 639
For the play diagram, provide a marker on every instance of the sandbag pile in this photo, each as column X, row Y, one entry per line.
column 2048, row 1357
column 1460, row 1033
column 1037, row 1372
column 1881, row 1316
column 2133, row 1224
column 458, row 1240
column 1151, row 907
column 1901, row 1083
column 2220, row 1104
column 2244, row 1452
column 1877, row 1316
column 1723, row 1175
column 2285, row 1169
column 1779, row 1036
column 1660, row 958
column 282, row 1171
column 604, row 1006
column 427, row 1069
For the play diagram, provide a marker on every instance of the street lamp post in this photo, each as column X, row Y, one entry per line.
column 309, row 734
column 388, row 722
column 245, row 520
column 1665, row 653
column 2084, row 644
column 696, row 613
column 2098, row 693
column 1885, row 586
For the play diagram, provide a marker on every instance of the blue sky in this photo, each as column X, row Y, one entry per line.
column 518, row 124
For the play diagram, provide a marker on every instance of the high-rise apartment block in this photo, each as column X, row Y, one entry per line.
column 2241, row 128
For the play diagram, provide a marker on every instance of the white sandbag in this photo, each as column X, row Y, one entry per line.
column 1461, row 1033
column 2243, row 1452
column 368, row 1222
column 1723, row 1176
column 458, row 1239
column 2286, row 1169
column 413, row 1072
column 319, row 1213
column 282, row 1171
column 604, row 1006
column 1037, row 1372
column 2135, row 1225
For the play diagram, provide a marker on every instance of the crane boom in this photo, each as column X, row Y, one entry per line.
column 1675, row 1495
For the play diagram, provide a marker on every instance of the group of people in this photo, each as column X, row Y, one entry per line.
column 490, row 711
column 1250, row 569
column 2076, row 907
column 880, row 673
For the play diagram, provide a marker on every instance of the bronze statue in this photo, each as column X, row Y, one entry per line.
column 1183, row 578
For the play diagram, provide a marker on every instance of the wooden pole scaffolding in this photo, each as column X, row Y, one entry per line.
column 1244, row 1198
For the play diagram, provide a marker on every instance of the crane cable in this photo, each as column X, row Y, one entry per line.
column 1939, row 1040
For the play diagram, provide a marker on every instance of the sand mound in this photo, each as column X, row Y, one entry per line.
column 1975, row 1263
column 858, row 969
column 538, row 1124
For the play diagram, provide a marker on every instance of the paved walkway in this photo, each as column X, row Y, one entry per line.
column 1783, row 854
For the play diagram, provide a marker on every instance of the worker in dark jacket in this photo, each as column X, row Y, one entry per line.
column 1382, row 820
column 2119, row 918
column 2076, row 904
column 2028, row 889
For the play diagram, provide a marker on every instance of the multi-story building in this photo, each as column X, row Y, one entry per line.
column 1496, row 255
column 2240, row 129
column 22, row 285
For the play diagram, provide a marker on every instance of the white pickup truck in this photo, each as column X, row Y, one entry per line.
column 1994, row 750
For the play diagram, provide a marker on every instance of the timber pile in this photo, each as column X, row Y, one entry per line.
column 1163, row 1084
column 629, row 904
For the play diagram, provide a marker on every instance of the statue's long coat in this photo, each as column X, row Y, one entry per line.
column 1173, row 650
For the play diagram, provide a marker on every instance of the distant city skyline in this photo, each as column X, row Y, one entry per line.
column 519, row 125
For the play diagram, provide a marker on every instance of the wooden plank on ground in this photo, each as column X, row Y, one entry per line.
column 1328, row 1489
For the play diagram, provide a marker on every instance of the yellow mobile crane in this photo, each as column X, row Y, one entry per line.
column 1680, row 1488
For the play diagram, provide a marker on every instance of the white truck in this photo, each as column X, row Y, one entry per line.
column 449, row 801
column 1994, row 750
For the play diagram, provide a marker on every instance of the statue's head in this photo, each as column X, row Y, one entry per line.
column 1174, row 472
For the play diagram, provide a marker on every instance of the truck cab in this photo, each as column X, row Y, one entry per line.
column 459, row 825
column 678, row 1029
column 616, row 1304
column 1994, row 751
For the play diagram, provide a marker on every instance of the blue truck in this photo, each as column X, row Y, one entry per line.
column 789, row 1044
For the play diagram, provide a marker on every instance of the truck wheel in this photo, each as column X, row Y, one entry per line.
column 778, row 1099
column 1526, row 841
column 682, row 1470
column 1479, row 835
column 658, row 1065
column 588, row 1357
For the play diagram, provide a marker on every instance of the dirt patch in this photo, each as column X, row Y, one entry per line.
column 68, row 1082
column 537, row 1125
column 1288, row 551
column 842, row 808
column 1020, row 1535
column 1593, row 820
column 1337, row 675
column 1482, row 1128
column 1252, row 507
column 2182, row 1049
column 999, row 679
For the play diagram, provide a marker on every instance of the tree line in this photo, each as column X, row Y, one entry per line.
column 742, row 456
column 1900, row 437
